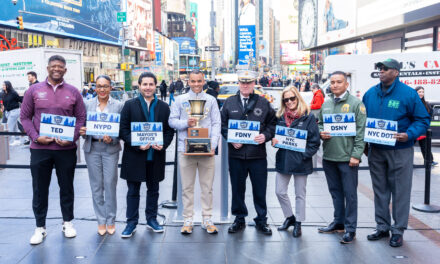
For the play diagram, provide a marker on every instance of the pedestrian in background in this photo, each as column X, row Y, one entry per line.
column 32, row 78
column 317, row 101
column 341, row 158
column 53, row 96
column 163, row 90
column 391, row 167
column 172, row 89
column 102, row 156
column 11, row 110
column 294, row 113
column 422, row 139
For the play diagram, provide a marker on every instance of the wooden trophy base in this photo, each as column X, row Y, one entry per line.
column 198, row 142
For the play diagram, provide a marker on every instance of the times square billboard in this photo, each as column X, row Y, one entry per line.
column 94, row 20
column 246, row 20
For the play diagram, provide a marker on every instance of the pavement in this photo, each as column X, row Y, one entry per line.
column 421, row 240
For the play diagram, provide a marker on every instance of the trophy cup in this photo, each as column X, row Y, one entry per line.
column 197, row 141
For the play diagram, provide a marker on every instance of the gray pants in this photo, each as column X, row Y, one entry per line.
column 103, row 175
column 281, row 186
column 342, row 181
column 12, row 117
column 391, row 173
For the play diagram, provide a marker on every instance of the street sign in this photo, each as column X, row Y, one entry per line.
column 212, row 48
column 122, row 16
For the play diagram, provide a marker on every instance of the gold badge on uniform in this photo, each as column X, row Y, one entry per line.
column 345, row 108
column 362, row 108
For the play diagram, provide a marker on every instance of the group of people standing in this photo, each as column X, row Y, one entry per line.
column 390, row 165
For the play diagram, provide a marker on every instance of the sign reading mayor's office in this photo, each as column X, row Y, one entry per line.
column 380, row 131
column 243, row 131
column 102, row 124
column 143, row 133
column 291, row 139
column 340, row 125
column 56, row 126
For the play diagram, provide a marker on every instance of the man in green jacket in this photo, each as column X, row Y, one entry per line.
column 342, row 154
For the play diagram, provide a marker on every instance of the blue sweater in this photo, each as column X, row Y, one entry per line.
column 399, row 103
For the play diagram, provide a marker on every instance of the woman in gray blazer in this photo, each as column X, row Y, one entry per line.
column 102, row 156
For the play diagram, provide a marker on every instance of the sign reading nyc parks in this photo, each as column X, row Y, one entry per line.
column 243, row 131
column 340, row 125
column 380, row 131
column 102, row 124
column 291, row 139
column 56, row 126
column 143, row 133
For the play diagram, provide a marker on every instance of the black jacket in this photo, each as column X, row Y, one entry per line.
column 298, row 163
column 163, row 87
column 11, row 100
column 133, row 159
column 258, row 109
column 178, row 85
column 264, row 81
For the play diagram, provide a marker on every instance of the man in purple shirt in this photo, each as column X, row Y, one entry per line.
column 56, row 97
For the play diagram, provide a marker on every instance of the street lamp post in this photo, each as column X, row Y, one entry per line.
column 213, row 22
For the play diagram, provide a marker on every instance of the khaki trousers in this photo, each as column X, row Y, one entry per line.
column 188, row 166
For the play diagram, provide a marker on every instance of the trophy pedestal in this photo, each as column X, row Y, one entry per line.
column 198, row 142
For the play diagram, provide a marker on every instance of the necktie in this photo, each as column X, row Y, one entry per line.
column 337, row 100
column 245, row 102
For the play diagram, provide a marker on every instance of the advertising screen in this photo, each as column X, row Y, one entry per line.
column 246, row 45
column 186, row 45
column 92, row 19
column 192, row 17
column 140, row 23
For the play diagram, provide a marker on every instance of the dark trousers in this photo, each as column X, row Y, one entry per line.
column 257, row 170
column 133, row 198
column 422, row 144
column 163, row 95
column 342, row 181
column 42, row 163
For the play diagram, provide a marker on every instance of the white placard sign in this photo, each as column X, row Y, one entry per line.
column 243, row 131
column 143, row 133
column 340, row 125
column 291, row 139
column 380, row 131
column 57, row 126
column 102, row 124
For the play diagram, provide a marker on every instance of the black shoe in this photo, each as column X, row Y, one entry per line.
column 264, row 228
column 236, row 226
column 396, row 240
column 297, row 229
column 287, row 223
column 332, row 228
column 378, row 235
column 348, row 237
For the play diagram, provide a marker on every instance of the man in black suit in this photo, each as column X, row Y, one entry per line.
column 144, row 163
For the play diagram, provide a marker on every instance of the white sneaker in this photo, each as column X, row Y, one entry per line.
column 38, row 236
column 69, row 230
column 15, row 143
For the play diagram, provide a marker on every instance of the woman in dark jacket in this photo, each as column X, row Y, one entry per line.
column 295, row 113
column 11, row 109
column 422, row 139
column 163, row 90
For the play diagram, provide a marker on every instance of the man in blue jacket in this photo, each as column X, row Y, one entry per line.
column 391, row 167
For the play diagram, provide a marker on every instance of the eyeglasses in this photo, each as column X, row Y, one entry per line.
column 102, row 87
column 384, row 68
column 286, row 100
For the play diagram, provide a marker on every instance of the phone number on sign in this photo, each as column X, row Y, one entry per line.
column 422, row 82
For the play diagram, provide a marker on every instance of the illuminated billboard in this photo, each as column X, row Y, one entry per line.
column 140, row 24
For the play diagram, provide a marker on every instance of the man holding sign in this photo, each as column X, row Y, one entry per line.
column 341, row 125
column 396, row 117
column 144, row 162
column 44, row 102
column 247, row 149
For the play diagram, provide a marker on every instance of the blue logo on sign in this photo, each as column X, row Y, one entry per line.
column 381, row 123
column 243, row 125
column 291, row 132
column 103, row 116
column 58, row 120
column 338, row 118
column 147, row 127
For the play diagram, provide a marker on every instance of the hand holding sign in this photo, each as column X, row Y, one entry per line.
column 237, row 145
column 83, row 131
column 145, row 147
column 260, row 139
column 157, row 147
column 62, row 143
column 44, row 140
column 402, row 137
column 274, row 142
column 107, row 139
column 325, row 135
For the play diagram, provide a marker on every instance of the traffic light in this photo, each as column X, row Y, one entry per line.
column 20, row 22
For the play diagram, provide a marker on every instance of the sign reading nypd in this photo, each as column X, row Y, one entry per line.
column 56, row 126
column 291, row 139
column 102, row 124
column 143, row 133
column 380, row 131
column 243, row 131
column 340, row 125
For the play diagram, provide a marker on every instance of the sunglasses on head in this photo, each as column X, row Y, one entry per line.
column 286, row 100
